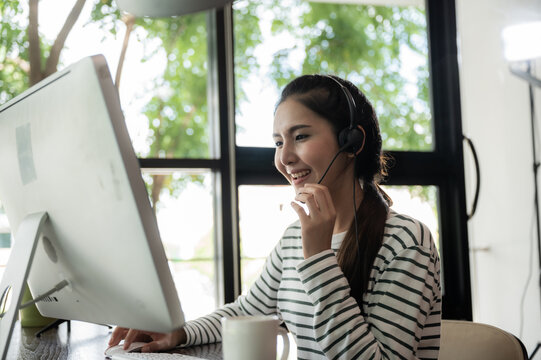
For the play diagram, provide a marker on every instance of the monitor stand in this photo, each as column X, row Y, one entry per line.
column 16, row 273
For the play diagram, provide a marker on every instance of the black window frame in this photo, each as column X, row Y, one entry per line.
column 443, row 167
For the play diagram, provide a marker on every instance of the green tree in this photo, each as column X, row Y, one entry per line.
column 367, row 45
column 178, row 112
column 26, row 57
column 360, row 42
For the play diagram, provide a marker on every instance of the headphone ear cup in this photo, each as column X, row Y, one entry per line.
column 351, row 140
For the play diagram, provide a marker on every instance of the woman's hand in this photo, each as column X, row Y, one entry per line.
column 156, row 341
column 317, row 226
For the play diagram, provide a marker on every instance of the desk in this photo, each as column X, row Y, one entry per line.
column 85, row 341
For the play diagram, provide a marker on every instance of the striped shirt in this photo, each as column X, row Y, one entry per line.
column 402, row 306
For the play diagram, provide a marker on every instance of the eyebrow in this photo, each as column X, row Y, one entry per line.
column 293, row 129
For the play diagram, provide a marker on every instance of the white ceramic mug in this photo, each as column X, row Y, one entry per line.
column 252, row 337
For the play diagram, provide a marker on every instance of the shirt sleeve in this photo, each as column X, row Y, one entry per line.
column 397, row 307
column 261, row 299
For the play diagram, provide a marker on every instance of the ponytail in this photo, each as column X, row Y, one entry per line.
column 372, row 215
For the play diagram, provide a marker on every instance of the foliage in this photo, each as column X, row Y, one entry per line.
column 177, row 114
column 369, row 45
column 366, row 44
column 363, row 43
column 13, row 52
column 247, row 36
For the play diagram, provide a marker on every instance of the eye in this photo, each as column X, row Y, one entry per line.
column 278, row 143
column 301, row 137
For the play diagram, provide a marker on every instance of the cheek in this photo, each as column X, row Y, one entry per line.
column 316, row 155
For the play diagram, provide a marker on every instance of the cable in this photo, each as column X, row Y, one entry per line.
column 535, row 131
column 341, row 150
column 4, row 299
column 56, row 288
column 477, row 176
column 328, row 167
column 528, row 279
column 355, row 216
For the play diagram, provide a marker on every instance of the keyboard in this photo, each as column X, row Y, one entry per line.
column 153, row 356
column 197, row 352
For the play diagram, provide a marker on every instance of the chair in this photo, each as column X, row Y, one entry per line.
column 466, row 340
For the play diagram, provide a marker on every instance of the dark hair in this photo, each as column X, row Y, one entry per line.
column 324, row 96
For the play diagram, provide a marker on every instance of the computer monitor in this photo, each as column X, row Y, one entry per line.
column 65, row 151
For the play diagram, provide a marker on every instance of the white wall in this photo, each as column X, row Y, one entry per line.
column 496, row 115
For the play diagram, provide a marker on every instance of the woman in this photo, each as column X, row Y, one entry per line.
column 351, row 278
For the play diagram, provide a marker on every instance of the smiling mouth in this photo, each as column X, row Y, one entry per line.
column 299, row 175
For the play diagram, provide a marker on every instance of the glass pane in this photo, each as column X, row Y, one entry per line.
column 381, row 49
column 163, row 76
column 419, row 202
column 184, row 211
column 250, row 270
column 163, row 88
column 259, row 235
column 183, row 202
column 196, row 286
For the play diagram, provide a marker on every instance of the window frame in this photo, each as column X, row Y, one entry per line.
column 443, row 167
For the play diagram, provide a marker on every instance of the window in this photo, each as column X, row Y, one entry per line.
column 186, row 223
column 198, row 92
column 384, row 50
column 381, row 49
column 173, row 131
column 264, row 214
column 167, row 88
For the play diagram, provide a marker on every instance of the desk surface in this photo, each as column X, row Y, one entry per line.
column 84, row 341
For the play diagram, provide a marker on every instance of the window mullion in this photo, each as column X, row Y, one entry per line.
column 221, row 70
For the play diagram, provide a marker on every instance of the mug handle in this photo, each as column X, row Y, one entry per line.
column 285, row 351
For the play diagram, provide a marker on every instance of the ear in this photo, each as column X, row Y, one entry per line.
column 363, row 139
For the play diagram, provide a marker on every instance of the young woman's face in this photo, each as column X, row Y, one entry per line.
column 305, row 145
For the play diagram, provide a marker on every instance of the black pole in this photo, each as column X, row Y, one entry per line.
column 535, row 171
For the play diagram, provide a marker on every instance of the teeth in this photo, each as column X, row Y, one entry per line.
column 300, row 174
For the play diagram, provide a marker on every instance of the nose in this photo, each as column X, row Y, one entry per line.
column 288, row 154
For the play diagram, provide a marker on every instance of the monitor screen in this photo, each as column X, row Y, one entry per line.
column 65, row 150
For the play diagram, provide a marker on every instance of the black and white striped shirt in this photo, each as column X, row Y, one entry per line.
column 402, row 306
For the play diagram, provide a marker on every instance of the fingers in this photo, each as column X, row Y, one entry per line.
column 118, row 334
column 156, row 341
column 316, row 197
column 130, row 337
column 317, row 225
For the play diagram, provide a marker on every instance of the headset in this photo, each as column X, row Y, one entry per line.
column 350, row 139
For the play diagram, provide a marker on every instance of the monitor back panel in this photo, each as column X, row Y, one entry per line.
column 65, row 149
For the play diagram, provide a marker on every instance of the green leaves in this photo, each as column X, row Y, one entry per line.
column 14, row 65
column 383, row 50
